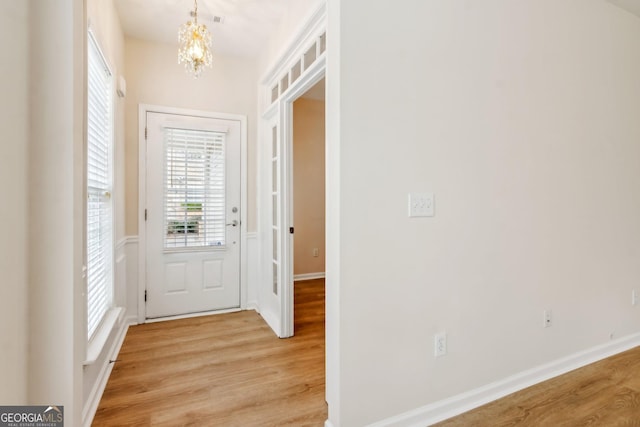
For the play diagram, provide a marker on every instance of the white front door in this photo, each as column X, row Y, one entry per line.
column 193, row 214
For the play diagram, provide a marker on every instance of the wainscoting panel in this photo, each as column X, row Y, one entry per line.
column 131, row 291
column 252, row 270
column 120, row 282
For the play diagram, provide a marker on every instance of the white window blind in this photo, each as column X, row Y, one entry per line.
column 194, row 190
column 99, row 183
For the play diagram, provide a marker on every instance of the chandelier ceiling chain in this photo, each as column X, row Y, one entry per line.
column 195, row 45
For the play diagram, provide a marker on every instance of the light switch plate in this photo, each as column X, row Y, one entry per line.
column 421, row 205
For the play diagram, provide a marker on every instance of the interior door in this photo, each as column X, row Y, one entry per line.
column 192, row 214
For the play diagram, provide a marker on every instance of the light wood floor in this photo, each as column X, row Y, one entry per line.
column 606, row 393
column 221, row 370
column 230, row 370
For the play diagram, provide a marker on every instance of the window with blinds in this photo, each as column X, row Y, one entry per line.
column 99, row 180
column 194, row 190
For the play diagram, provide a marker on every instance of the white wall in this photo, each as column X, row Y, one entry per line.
column 308, row 188
column 14, row 206
column 55, row 205
column 523, row 119
column 154, row 77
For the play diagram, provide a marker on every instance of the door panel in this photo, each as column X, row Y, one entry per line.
column 193, row 202
column 270, row 285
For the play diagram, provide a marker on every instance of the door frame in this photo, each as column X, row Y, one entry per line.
column 306, row 82
column 280, row 81
column 143, row 109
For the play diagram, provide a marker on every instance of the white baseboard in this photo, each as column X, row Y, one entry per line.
column 253, row 305
column 328, row 424
column 456, row 405
column 131, row 320
column 308, row 276
column 93, row 401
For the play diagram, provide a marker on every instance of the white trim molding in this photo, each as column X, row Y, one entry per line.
column 253, row 272
column 294, row 48
column 106, row 344
column 112, row 318
column 456, row 405
column 289, row 77
column 93, row 400
column 130, row 246
column 126, row 240
column 308, row 276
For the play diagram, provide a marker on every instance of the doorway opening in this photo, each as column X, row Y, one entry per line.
column 296, row 77
column 306, row 67
column 308, row 191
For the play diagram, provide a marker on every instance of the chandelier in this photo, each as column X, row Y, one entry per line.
column 195, row 45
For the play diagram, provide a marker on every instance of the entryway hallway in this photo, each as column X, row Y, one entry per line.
column 222, row 370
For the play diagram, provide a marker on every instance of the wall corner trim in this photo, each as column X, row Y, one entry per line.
column 456, row 405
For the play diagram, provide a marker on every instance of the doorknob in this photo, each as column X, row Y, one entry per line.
column 234, row 223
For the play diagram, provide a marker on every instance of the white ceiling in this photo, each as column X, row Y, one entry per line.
column 247, row 23
column 246, row 28
column 632, row 6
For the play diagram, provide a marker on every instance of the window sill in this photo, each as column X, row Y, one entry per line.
column 97, row 343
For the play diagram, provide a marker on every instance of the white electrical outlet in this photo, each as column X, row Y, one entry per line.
column 440, row 344
column 315, row 252
column 547, row 318
column 634, row 297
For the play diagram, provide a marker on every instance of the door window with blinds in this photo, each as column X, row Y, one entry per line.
column 99, row 183
column 194, row 189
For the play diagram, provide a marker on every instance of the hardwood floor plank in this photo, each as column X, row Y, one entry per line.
column 227, row 370
column 231, row 370
column 604, row 393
